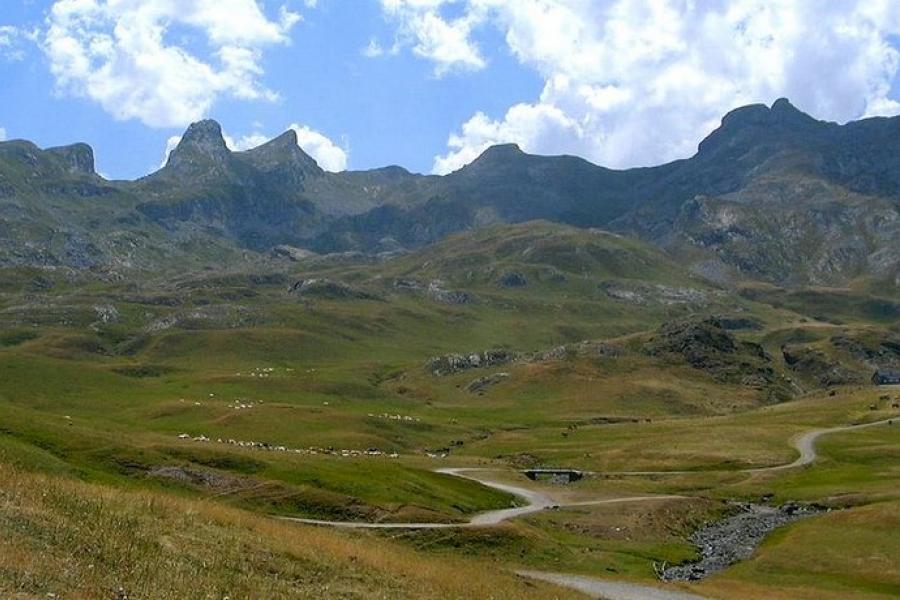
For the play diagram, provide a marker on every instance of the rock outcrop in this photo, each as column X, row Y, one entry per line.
column 707, row 346
column 448, row 364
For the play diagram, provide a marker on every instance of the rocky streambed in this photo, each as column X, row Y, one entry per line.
column 734, row 538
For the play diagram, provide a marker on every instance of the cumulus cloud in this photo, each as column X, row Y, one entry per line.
column 171, row 144
column 2, row 134
column 329, row 156
column 523, row 122
column 423, row 26
column 639, row 82
column 120, row 54
column 246, row 142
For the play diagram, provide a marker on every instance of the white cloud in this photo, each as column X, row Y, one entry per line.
column 2, row 134
column 246, row 142
column 11, row 39
column 325, row 152
column 639, row 82
column 8, row 35
column 118, row 53
column 444, row 41
column 171, row 144
column 373, row 49
column 522, row 122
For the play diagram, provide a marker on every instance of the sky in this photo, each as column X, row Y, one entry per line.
column 429, row 84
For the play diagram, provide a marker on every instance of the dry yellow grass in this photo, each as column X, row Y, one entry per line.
column 67, row 539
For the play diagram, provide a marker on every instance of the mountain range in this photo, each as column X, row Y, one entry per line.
column 772, row 195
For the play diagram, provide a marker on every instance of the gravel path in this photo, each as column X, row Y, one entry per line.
column 610, row 590
column 806, row 445
column 536, row 501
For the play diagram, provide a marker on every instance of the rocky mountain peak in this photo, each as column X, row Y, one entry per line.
column 501, row 151
column 785, row 113
column 201, row 146
column 759, row 124
column 288, row 140
column 495, row 157
column 283, row 154
column 746, row 116
column 207, row 131
column 78, row 158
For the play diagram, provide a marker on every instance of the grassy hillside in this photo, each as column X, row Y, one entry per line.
column 122, row 396
column 65, row 539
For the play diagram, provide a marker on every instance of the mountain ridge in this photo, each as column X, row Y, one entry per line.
column 815, row 180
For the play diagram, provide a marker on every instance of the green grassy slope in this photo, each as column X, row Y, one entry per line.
column 99, row 379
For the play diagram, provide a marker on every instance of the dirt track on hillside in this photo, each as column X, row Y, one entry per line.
column 537, row 501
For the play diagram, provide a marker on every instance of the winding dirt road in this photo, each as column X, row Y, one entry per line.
column 806, row 445
column 537, row 501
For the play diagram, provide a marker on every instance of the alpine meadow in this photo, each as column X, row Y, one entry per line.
column 264, row 369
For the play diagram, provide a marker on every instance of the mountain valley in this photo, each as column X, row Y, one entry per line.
column 244, row 337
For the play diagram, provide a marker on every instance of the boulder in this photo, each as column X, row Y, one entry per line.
column 512, row 279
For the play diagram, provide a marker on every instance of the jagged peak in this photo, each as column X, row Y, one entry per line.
column 286, row 142
column 288, row 138
column 783, row 104
column 283, row 150
column 202, row 142
column 781, row 111
column 784, row 112
column 207, row 129
column 782, row 115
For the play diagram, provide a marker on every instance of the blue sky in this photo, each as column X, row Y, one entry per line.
column 391, row 111
column 428, row 84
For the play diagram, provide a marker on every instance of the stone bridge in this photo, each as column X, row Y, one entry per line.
column 554, row 475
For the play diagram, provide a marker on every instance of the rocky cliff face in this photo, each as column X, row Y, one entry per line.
column 77, row 158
